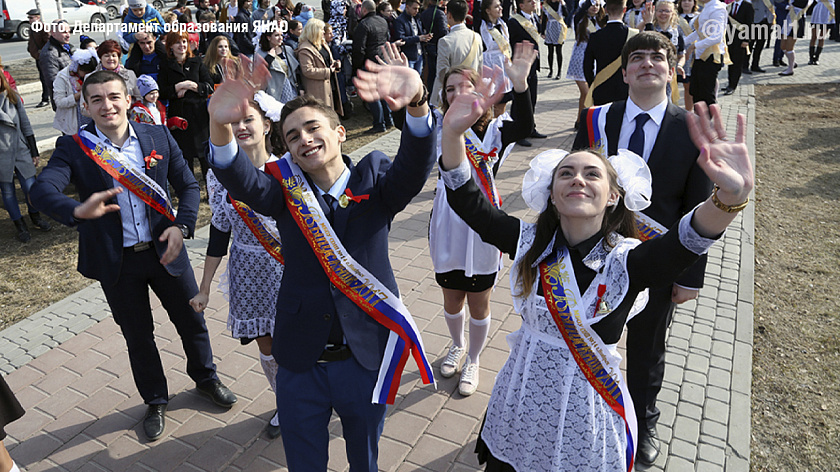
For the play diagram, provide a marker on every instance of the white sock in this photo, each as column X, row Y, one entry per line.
column 275, row 420
column 455, row 322
column 791, row 57
column 14, row 467
column 269, row 366
column 478, row 337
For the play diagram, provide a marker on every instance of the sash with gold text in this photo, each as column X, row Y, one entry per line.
column 480, row 162
column 118, row 167
column 269, row 239
column 648, row 227
column 602, row 371
column 501, row 41
column 354, row 281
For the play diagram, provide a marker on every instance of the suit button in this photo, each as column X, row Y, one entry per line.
column 332, row 286
column 327, row 316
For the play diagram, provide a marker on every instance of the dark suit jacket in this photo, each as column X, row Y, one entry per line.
column 307, row 301
column 518, row 34
column 101, row 240
column 745, row 16
column 433, row 20
column 679, row 184
column 605, row 46
column 402, row 28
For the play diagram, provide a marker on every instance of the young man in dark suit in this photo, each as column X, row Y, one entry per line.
column 652, row 127
column 603, row 49
column 741, row 15
column 407, row 28
column 328, row 349
column 125, row 243
column 525, row 25
column 433, row 20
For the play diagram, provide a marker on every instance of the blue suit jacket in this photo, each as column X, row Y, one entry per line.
column 101, row 240
column 402, row 29
column 307, row 301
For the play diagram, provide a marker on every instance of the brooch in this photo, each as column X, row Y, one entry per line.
column 151, row 159
column 347, row 196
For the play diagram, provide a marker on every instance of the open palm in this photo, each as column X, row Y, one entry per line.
column 727, row 163
column 390, row 80
column 229, row 102
column 467, row 108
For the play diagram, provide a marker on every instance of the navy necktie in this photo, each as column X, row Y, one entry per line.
column 637, row 139
column 331, row 204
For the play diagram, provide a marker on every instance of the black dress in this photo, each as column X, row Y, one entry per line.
column 10, row 409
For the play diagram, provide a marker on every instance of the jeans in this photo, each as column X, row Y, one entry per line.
column 381, row 114
column 417, row 65
column 10, row 200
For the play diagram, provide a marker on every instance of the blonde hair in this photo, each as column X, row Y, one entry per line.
column 313, row 32
column 674, row 19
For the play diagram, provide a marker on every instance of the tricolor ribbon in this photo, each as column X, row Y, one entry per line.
column 354, row 281
column 118, row 167
column 270, row 240
column 480, row 162
column 603, row 375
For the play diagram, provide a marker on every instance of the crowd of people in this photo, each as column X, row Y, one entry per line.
column 625, row 218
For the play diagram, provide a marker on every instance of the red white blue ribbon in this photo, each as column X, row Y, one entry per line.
column 601, row 369
column 481, row 163
column 354, row 281
column 270, row 240
column 118, row 167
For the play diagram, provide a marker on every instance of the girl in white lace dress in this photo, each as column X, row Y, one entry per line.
column 252, row 279
column 466, row 267
column 578, row 275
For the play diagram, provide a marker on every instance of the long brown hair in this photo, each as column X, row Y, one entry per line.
column 617, row 219
column 481, row 125
column 6, row 87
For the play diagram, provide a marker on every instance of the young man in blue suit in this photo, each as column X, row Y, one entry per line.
column 407, row 28
column 129, row 245
column 655, row 129
column 328, row 349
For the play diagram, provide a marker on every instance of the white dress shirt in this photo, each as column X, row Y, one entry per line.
column 651, row 128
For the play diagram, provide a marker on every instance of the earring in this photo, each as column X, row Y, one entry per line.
column 265, row 132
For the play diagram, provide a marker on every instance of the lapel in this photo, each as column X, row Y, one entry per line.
column 106, row 178
column 615, row 116
column 657, row 153
column 147, row 145
column 342, row 215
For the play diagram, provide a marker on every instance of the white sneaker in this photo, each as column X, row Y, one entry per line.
column 452, row 363
column 469, row 378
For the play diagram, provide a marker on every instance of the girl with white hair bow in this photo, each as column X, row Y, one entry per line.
column 560, row 402
column 255, row 267
column 67, row 91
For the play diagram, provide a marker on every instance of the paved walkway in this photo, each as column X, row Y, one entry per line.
column 68, row 365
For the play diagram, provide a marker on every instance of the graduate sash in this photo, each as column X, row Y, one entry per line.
column 720, row 57
column 354, row 281
column 606, row 72
column 648, row 227
column 684, row 26
column 529, row 28
column 124, row 172
column 590, row 353
column 255, row 222
column 556, row 16
column 481, row 162
column 501, row 41
column 828, row 5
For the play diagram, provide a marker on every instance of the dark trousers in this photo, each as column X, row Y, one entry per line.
column 758, row 43
column 305, row 402
column 532, row 86
column 646, row 334
column 10, row 201
column 45, row 93
column 703, row 77
column 129, row 303
column 737, row 54
column 381, row 114
column 551, row 49
column 431, row 68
